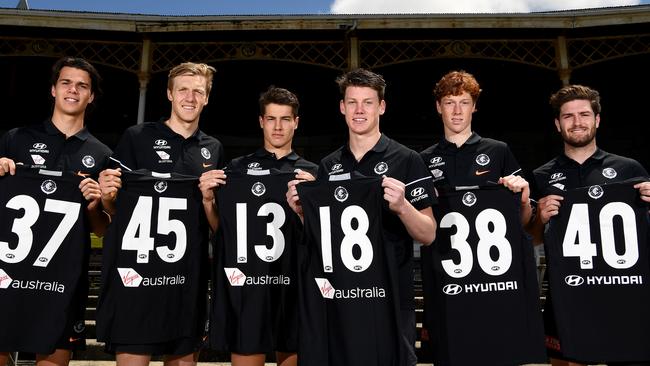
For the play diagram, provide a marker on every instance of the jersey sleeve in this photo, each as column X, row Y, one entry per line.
column 124, row 154
column 419, row 189
column 510, row 164
column 5, row 150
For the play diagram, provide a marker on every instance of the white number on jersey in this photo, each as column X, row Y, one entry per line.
column 22, row 227
column 352, row 237
column 272, row 230
column 578, row 227
column 487, row 239
column 137, row 235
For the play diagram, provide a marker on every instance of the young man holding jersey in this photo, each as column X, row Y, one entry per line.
column 583, row 164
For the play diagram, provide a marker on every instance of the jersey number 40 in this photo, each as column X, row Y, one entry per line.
column 578, row 227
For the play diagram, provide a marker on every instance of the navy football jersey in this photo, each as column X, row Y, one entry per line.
column 43, row 249
column 485, row 308
column 254, row 309
column 597, row 255
column 348, row 276
column 152, row 286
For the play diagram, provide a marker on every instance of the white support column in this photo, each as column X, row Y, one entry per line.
column 143, row 77
column 562, row 54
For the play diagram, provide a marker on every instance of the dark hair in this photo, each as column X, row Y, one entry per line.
column 575, row 92
column 81, row 64
column 279, row 96
column 363, row 78
column 455, row 83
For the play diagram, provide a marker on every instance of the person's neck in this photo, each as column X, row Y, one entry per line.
column 361, row 144
column 185, row 129
column 69, row 125
column 279, row 152
column 458, row 138
column 580, row 154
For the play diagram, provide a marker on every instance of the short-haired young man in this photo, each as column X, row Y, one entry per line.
column 252, row 321
column 465, row 159
column 582, row 164
column 372, row 153
column 62, row 143
column 175, row 145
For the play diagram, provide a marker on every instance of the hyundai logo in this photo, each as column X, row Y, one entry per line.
column 556, row 175
column 269, row 258
column 436, row 160
column 417, row 192
column 39, row 146
column 574, row 280
column 254, row 165
column 452, row 289
column 161, row 142
column 337, row 166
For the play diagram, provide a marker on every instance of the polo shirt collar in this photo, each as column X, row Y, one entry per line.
column 51, row 129
column 474, row 138
column 162, row 126
column 597, row 155
column 263, row 153
column 379, row 147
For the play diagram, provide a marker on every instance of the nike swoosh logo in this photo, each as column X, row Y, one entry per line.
column 481, row 172
column 206, row 165
column 85, row 175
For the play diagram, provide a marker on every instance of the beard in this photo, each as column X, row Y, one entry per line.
column 579, row 141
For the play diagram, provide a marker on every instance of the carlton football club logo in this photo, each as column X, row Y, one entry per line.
column 469, row 199
column 452, row 289
column 88, row 161
column 325, row 287
column 48, row 186
column 341, row 194
column 482, row 160
column 163, row 155
column 436, row 173
column 38, row 160
column 5, row 280
column 258, row 189
column 381, row 168
column 79, row 327
column 160, row 186
column 595, row 192
column 609, row 173
column 205, row 153
column 574, row 280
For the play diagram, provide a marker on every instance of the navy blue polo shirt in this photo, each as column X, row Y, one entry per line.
column 392, row 159
column 562, row 172
column 155, row 147
column 263, row 160
column 476, row 162
column 43, row 146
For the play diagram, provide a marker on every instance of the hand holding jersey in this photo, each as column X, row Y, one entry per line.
column 7, row 166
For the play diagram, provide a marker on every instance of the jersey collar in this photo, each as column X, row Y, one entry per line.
column 474, row 138
column 598, row 155
column 51, row 129
column 162, row 126
column 265, row 154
